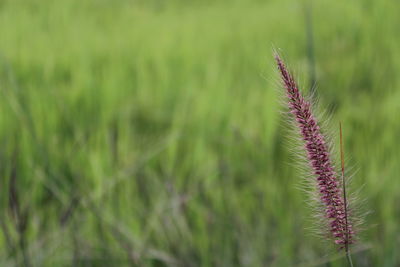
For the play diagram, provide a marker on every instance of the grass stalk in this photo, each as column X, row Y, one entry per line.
column 346, row 245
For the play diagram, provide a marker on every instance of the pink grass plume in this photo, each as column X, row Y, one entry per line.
column 330, row 186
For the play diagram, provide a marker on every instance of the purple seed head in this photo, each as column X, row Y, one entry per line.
column 327, row 181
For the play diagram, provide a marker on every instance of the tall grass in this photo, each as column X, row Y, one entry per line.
column 146, row 133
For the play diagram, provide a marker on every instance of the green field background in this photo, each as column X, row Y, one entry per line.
column 149, row 133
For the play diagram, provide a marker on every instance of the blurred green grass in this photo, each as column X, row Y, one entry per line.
column 149, row 132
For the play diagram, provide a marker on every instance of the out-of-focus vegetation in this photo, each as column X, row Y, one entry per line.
column 148, row 133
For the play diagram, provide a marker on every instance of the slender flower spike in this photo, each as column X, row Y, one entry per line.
column 329, row 184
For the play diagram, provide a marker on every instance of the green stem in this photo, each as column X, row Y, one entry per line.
column 348, row 256
column 346, row 245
